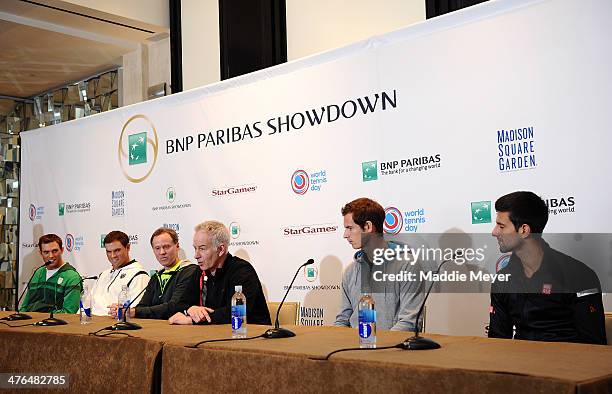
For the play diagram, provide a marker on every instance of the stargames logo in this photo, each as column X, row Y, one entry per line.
column 138, row 147
column 393, row 221
column 300, row 182
column 69, row 241
column 481, row 212
column 32, row 212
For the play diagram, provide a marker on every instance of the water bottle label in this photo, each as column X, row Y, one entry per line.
column 236, row 322
column 367, row 316
column 365, row 330
column 119, row 313
column 239, row 310
column 87, row 312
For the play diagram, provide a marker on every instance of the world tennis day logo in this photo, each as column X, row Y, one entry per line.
column 137, row 143
column 393, row 221
column 69, row 241
column 300, row 182
column 35, row 213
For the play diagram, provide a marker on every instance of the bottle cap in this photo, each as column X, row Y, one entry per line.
column 238, row 289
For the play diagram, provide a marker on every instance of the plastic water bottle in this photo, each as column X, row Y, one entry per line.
column 85, row 309
column 367, row 322
column 239, row 318
column 122, row 303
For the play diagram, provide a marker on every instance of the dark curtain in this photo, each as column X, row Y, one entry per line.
column 253, row 35
column 176, row 49
column 434, row 8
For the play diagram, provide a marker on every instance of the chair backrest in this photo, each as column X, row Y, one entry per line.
column 289, row 314
column 609, row 327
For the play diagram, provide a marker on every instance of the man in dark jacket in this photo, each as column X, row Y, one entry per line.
column 171, row 289
column 221, row 273
column 549, row 296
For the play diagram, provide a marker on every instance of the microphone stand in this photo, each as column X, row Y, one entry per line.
column 277, row 331
column 417, row 342
column 124, row 324
column 22, row 316
column 53, row 321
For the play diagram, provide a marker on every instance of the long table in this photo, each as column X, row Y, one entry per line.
column 156, row 357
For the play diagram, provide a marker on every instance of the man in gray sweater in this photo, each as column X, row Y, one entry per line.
column 397, row 302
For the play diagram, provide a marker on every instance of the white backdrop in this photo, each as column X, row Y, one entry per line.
column 441, row 89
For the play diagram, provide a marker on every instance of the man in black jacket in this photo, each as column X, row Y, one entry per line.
column 221, row 272
column 549, row 296
column 171, row 289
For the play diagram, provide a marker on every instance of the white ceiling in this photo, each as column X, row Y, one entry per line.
column 46, row 44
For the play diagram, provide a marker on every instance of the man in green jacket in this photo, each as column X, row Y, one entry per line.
column 57, row 286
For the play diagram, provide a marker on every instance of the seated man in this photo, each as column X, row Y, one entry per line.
column 56, row 287
column 396, row 303
column 549, row 296
column 171, row 289
column 123, row 272
column 221, row 273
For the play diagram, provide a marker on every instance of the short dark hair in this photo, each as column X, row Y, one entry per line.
column 365, row 209
column 164, row 230
column 117, row 236
column 524, row 208
column 47, row 239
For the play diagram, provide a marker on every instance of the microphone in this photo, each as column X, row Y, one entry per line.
column 53, row 321
column 127, row 325
column 278, row 332
column 416, row 342
column 23, row 316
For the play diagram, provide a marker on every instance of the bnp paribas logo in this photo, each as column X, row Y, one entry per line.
column 311, row 273
column 61, row 208
column 138, row 148
column 481, row 212
column 369, row 170
column 234, row 230
column 170, row 194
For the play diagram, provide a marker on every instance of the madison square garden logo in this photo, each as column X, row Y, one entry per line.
column 300, row 182
column 138, row 148
column 393, row 221
column 481, row 212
